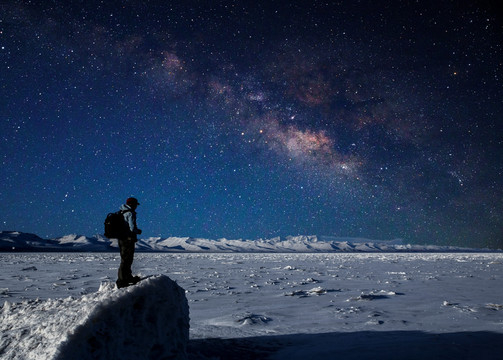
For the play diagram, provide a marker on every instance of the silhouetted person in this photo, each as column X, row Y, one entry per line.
column 127, row 244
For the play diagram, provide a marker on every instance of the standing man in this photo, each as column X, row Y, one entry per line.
column 127, row 244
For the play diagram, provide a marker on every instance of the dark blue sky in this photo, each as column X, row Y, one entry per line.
column 254, row 119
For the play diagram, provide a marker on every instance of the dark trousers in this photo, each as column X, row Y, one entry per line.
column 126, row 248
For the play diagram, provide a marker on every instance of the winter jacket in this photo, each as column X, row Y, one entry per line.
column 130, row 217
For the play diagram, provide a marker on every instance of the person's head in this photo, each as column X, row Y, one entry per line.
column 132, row 202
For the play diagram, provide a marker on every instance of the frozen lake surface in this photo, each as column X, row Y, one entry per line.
column 350, row 305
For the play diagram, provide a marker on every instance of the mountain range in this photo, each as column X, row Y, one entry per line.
column 13, row 241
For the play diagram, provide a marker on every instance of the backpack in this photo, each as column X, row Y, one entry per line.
column 116, row 226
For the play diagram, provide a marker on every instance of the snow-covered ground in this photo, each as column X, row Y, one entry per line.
column 293, row 306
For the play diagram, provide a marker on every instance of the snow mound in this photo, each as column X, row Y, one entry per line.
column 147, row 321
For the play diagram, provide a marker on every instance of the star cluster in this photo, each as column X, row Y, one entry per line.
column 254, row 119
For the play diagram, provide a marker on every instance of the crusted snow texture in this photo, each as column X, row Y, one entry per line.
column 149, row 320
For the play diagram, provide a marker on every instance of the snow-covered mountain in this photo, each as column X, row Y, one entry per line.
column 17, row 241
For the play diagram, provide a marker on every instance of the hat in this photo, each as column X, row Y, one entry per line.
column 132, row 201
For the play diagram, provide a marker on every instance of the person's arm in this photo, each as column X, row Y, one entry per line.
column 128, row 216
column 132, row 223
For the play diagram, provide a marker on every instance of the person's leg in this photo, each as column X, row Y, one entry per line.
column 129, row 260
column 126, row 248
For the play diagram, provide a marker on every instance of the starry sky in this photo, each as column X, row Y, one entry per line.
column 254, row 119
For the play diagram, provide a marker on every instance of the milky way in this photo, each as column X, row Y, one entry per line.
column 244, row 120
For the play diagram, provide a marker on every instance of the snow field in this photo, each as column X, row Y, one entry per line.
column 304, row 304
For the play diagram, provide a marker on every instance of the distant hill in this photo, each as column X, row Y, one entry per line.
column 18, row 241
column 13, row 241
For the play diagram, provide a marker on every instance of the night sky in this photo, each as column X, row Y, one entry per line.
column 254, row 119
